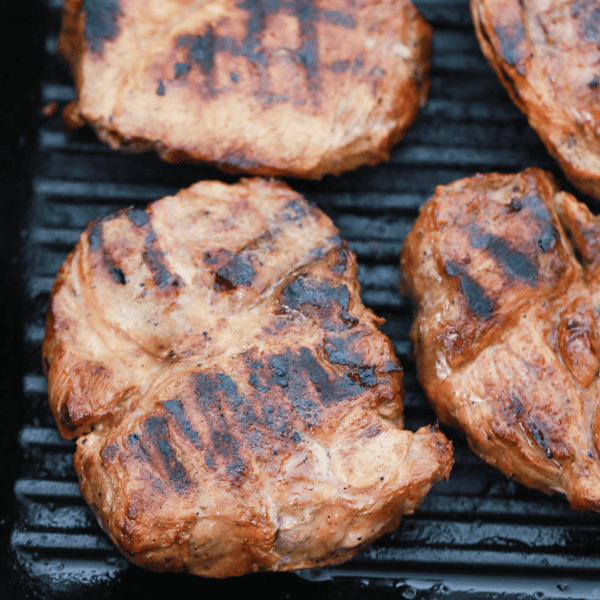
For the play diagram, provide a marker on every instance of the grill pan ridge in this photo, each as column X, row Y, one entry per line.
column 478, row 535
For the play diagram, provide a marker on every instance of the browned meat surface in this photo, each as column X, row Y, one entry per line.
column 237, row 408
column 546, row 53
column 504, row 271
column 279, row 87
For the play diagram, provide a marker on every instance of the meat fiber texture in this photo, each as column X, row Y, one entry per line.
column 235, row 405
column 504, row 271
column 546, row 54
column 299, row 88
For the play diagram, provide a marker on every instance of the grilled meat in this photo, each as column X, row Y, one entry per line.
column 504, row 271
column 295, row 87
column 546, row 54
column 237, row 408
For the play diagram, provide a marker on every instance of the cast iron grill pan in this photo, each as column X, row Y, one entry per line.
column 478, row 534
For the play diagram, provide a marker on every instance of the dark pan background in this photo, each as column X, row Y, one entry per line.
column 478, row 535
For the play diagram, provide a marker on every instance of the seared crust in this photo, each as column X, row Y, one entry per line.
column 301, row 88
column 546, row 54
column 236, row 406
column 506, row 326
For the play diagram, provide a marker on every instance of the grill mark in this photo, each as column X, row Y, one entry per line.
column 203, row 48
column 182, row 69
column 340, row 265
column 510, row 38
column 155, row 441
column 331, row 391
column 302, row 293
column 336, row 17
column 292, row 370
column 95, row 236
column 308, row 53
column 175, row 408
column 138, row 217
column 287, row 373
column 339, row 351
column 293, row 385
column 477, row 301
column 101, row 22
column 202, row 52
column 231, row 271
column 96, row 244
column 340, row 66
column 587, row 15
column 153, row 256
column 208, row 390
column 514, row 263
column 541, row 213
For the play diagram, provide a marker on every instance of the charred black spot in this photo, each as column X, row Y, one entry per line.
column 516, row 406
column 182, row 423
column 139, row 218
column 338, row 18
column 109, row 452
column 367, row 376
column 230, row 271
column 340, row 265
column 117, row 274
column 238, row 272
column 340, row 66
column 587, row 15
column 327, row 303
column 593, row 84
column 477, row 301
column 160, row 90
column 95, row 236
column 182, row 69
column 133, row 438
column 548, row 236
column 509, row 39
column 515, row 204
column 293, row 211
column 548, row 239
column 276, row 419
column 234, row 77
column 357, row 65
column 339, row 351
column 239, row 160
column 101, row 22
column 202, row 52
column 256, row 383
column 156, row 441
column 279, row 366
column 65, row 417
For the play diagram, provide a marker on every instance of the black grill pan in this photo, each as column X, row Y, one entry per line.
column 478, row 535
